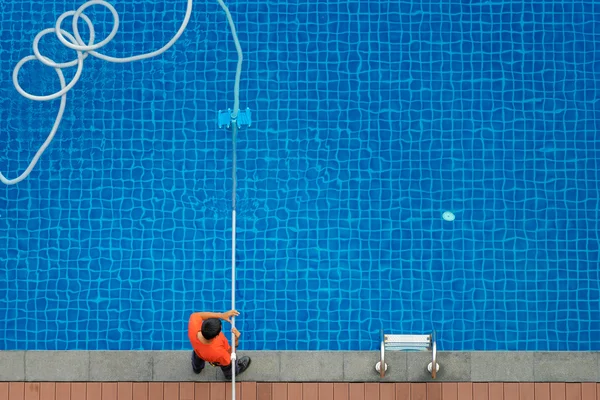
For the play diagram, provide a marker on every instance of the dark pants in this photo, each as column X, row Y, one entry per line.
column 198, row 363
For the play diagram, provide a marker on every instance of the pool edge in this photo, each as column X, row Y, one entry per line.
column 301, row 366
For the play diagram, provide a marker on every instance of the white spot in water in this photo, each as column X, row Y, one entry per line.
column 448, row 216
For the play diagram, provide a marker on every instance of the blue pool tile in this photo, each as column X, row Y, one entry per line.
column 368, row 127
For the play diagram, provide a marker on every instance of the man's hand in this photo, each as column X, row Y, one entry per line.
column 237, row 335
column 226, row 316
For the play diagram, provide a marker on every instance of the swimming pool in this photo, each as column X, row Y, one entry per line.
column 371, row 120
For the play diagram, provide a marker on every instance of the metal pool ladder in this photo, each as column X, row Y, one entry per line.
column 409, row 343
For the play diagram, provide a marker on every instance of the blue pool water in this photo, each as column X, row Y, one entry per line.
column 371, row 120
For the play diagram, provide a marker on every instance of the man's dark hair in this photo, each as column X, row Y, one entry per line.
column 211, row 327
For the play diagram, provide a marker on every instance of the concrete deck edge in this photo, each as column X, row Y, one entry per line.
column 301, row 366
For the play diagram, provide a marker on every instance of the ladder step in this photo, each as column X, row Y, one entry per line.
column 407, row 342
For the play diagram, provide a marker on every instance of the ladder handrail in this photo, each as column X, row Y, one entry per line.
column 434, row 354
column 382, row 365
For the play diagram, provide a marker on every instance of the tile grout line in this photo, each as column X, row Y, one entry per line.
column 24, row 366
column 598, row 368
column 279, row 366
column 471, row 367
column 344, row 366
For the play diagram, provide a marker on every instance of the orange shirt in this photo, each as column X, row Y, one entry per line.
column 216, row 352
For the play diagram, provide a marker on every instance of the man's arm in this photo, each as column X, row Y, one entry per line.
column 207, row 315
column 225, row 316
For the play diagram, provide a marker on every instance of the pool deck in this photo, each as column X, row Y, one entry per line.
column 298, row 391
column 300, row 366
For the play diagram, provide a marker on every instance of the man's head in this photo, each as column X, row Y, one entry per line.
column 211, row 327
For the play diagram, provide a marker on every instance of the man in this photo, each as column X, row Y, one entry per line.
column 210, row 345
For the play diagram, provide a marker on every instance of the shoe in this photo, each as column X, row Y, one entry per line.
column 243, row 364
column 197, row 371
